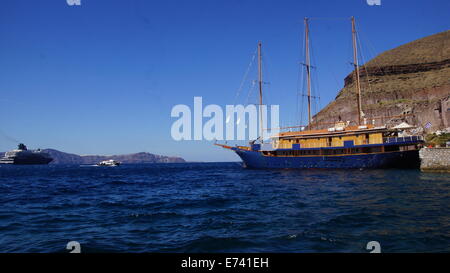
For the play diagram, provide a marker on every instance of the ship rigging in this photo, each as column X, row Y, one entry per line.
column 340, row 146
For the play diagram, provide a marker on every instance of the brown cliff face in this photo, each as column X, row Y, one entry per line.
column 412, row 80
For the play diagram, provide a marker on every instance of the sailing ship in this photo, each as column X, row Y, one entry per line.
column 342, row 146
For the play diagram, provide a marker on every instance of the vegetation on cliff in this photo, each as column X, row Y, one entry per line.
column 437, row 140
column 434, row 48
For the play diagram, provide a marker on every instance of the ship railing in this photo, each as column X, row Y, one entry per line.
column 402, row 139
column 361, row 142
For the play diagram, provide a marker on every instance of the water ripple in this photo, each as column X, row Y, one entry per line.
column 220, row 207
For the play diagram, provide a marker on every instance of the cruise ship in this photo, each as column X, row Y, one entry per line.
column 344, row 145
column 23, row 156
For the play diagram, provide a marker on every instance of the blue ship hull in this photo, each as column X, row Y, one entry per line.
column 397, row 159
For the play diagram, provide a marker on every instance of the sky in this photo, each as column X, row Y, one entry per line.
column 102, row 77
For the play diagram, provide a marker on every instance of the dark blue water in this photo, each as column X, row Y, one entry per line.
column 220, row 207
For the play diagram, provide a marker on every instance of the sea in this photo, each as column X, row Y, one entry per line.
column 221, row 207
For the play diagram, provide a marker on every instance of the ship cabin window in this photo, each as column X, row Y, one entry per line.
column 391, row 148
column 315, row 152
column 294, row 153
column 334, row 151
column 376, row 150
column 311, row 152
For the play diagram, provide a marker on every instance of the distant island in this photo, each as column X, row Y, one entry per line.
column 137, row 158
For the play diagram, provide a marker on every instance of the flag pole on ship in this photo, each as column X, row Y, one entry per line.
column 260, row 92
column 308, row 69
column 356, row 66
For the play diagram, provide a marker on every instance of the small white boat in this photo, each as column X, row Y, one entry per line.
column 109, row 163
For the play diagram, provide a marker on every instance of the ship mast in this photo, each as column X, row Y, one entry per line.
column 356, row 66
column 308, row 69
column 260, row 91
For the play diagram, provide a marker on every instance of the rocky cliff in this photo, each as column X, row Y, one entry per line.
column 409, row 83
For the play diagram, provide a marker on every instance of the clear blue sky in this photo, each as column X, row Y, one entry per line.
column 102, row 78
